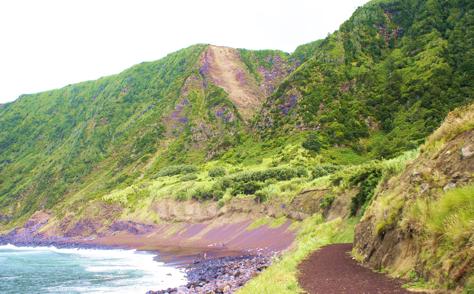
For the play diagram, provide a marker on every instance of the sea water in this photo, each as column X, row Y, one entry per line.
column 53, row 270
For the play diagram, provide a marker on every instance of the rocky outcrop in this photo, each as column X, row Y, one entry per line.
column 393, row 236
column 324, row 201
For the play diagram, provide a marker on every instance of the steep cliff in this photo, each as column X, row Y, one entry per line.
column 421, row 223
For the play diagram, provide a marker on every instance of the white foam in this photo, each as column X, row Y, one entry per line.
column 148, row 273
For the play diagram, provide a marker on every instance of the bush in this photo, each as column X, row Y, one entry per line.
column 327, row 201
column 324, row 170
column 301, row 172
column 173, row 170
column 202, row 194
column 312, row 142
column 217, row 172
column 181, row 196
column 261, row 196
column 367, row 182
column 246, row 188
column 279, row 174
column 189, row 177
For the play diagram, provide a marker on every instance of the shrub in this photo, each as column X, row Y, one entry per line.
column 312, row 142
column 246, row 188
column 301, row 172
column 327, row 201
column 181, row 196
column 204, row 193
column 324, row 170
column 261, row 196
column 217, row 172
column 189, row 177
column 279, row 174
column 367, row 182
column 173, row 170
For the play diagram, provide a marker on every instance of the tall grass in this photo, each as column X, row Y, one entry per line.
column 457, row 121
column 452, row 216
column 445, row 228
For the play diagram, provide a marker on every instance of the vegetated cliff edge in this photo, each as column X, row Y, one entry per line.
column 421, row 223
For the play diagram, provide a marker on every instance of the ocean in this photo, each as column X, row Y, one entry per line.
column 53, row 270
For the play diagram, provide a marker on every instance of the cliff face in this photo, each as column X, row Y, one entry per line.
column 421, row 222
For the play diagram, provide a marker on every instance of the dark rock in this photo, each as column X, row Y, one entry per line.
column 221, row 275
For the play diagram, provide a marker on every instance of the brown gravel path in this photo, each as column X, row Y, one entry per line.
column 332, row 270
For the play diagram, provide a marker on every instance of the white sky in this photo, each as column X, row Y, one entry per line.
column 51, row 43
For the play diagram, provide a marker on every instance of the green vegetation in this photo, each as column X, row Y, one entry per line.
column 255, row 60
column 217, row 172
column 173, row 170
column 306, row 51
column 382, row 82
column 268, row 221
column 451, row 216
column 324, row 170
column 446, row 226
column 90, row 134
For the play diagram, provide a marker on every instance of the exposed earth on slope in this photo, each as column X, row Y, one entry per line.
column 332, row 270
column 227, row 71
column 207, row 236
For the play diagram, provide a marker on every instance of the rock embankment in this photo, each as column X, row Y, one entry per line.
column 220, row 275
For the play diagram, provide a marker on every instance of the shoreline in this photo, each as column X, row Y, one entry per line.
column 208, row 270
column 222, row 275
column 218, row 258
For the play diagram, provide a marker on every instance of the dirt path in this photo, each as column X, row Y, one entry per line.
column 332, row 270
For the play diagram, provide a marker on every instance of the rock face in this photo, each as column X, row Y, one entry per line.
column 390, row 237
column 467, row 151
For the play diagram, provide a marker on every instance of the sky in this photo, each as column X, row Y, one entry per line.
column 49, row 44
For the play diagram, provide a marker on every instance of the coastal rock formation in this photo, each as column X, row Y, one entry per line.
column 418, row 222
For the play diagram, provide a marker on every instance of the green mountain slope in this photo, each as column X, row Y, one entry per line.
column 120, row 127
column 391, row 73
column 50, row 141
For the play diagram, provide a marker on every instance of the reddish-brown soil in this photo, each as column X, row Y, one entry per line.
column 201, row 237
column 332, row 270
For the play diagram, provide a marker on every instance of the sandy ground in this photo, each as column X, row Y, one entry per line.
column 226, row 238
